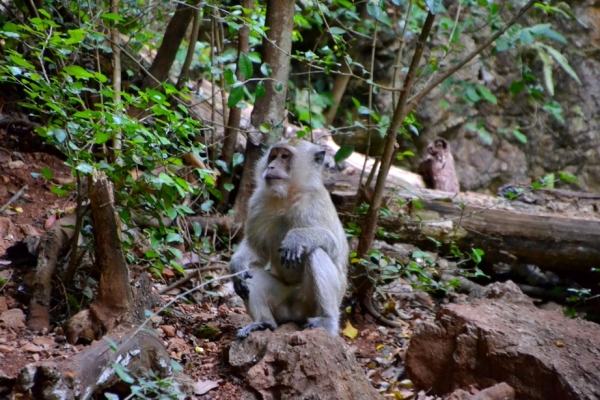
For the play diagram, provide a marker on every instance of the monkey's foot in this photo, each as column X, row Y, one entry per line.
column 255, row 326
column 328, row 323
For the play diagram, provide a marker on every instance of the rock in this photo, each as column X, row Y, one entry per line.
column 290, row 364
column 168, row 330
column 504, row 338
column 32, row 348
column 16, row 164
column 500, row 391
column 14, row 318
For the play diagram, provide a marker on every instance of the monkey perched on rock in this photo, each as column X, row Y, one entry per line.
column 293, row 227
column 437, row 167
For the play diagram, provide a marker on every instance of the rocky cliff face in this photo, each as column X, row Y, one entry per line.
column 572, row 146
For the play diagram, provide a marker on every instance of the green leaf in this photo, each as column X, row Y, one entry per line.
column 562, row 61
column 254, row 57
column 565, row 176
column 111, row 17
column 264, row 127
column 101, row 138
column 123, row 373
column 174, row 237
column 343, row 153
column 77, row 72
column 356, row 102
column 365, row 110
column 175, row 366
column 165, row 179
column 238, row 158
column 516, row 87
column 235, row 96
column 47, row 173
column 337, row 31
column 260, row 90
column 472, row 95
column 59, row 134
column 278, row 86
column 547, row 31
column 266, row 69
column 245, row 66
column 85, row 168
column 111, row 396
column 16, row 58
column 520, row 137
column 555, row 109
column 486, row 94
column 229, row 77
column 434, row 6
column 229, row 187
column 59, row 191
column 75, row 36
column 547, row 62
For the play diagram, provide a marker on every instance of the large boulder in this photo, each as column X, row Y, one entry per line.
column 505, row 338
column 303, row 365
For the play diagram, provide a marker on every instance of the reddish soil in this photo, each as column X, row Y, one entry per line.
column 379, row 350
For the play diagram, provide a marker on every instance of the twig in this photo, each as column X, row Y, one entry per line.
column 13, row 199
column 417, row 98
column 189, row 277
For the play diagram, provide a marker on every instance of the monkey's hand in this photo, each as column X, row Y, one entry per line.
column 293, row 247
column 239, row 285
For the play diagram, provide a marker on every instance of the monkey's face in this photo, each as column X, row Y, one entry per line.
column 279, row 165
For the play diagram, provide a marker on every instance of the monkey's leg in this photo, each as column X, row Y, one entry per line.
column 321, row 293
column 266, row 303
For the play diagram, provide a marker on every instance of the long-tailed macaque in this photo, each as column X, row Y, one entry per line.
column 293, row 228
column 437, row 167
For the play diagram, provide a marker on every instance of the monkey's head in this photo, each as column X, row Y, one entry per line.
column 291, row 164
column 439, row 146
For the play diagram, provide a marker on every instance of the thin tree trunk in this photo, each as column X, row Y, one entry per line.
column 235, row 115
column 174, row 34
column 269, row 109
column 362, row 283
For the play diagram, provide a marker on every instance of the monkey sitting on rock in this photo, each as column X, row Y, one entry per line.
column 293, row 228
column 437, row 167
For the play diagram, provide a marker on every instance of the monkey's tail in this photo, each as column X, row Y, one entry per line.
column 369, row 307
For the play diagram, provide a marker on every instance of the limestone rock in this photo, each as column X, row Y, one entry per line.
column 290, row 364
column 541, row 354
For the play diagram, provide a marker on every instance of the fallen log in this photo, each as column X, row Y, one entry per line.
column 555, row 229
column 92, row 370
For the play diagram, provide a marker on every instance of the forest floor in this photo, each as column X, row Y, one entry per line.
column 379, row 350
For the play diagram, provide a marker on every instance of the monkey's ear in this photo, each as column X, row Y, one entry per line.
column 320, row 157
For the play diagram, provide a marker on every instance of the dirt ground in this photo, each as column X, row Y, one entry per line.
column 379, row 350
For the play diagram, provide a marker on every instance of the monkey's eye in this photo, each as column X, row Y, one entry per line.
column 285, row 155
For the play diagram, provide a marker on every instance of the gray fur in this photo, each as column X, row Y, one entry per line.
column 293, row 227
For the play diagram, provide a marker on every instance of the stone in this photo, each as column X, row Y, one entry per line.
column 14, row 318
column 290, row 364
column 503, row 337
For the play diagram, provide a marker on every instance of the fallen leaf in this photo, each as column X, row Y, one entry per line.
column 350, row 331
column 559, row 344
column 202, row 387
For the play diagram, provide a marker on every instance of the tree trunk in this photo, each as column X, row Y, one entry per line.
column 235, row 115
column 269, row 109
column 174, row 34
column 114, row 300
column 364, row 286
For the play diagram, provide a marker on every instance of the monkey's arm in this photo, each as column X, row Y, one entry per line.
column 242, row 260
column 301, row 241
